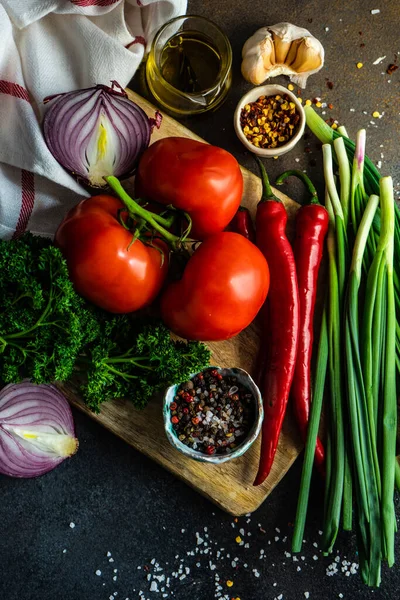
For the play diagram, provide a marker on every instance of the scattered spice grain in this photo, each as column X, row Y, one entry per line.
column 391, row 69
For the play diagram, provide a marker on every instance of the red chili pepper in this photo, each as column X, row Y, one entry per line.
column 281, row 319
column 242, row 223
column 311, row 228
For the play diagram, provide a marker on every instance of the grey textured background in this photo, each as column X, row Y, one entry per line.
column 125, row 504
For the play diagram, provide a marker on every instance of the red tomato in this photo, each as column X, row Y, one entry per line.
column 103, row 265
column 202, row 180
column 223, row 287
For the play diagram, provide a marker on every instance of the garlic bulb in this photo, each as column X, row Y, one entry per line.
column 282, row 49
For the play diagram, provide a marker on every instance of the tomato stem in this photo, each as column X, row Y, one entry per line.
column 305, row 179
column 138, row 212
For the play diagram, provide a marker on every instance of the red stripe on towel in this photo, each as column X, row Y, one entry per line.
column 94, row 2
column 28, row 200
column 138, row 40
column 13, row 89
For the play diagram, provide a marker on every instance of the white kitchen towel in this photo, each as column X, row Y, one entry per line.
column 49, row 47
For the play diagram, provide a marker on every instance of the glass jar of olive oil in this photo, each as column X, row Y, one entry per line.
column 189, row 67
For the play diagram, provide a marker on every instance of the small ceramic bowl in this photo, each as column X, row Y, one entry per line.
column 252, row 96
column 245, row 379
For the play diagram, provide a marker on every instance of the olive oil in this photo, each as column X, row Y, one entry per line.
column 190, row 62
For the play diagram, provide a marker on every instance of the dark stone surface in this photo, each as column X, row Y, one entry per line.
column 122, row 502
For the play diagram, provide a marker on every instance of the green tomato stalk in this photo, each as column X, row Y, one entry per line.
column 148, row 219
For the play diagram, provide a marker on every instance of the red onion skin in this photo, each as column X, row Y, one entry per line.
column 29, row 406
column 73, row 117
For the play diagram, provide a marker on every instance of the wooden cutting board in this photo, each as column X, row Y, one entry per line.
column 228, row 485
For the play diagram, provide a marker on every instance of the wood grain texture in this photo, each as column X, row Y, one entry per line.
column 229, row 485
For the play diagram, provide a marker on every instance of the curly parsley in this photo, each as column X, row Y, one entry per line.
column 48, row 333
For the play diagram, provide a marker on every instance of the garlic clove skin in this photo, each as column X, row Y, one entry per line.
column 253, row 69
column 308, row 57
column 268, row 54
column 282, row 49
column 259, row 57
column 292, row 54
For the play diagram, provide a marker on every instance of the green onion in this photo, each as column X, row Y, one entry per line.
column 386, row 245
column 312, row 434
column 335, row 494
column 366, row 478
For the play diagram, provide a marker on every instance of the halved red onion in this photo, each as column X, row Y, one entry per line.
column 36, row 429
column 97, row 132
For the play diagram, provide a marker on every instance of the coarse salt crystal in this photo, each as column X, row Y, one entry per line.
column 115, row 578
column 375, row 11
column 64, row 551
column 379, row 60
column 154, row 586
column 111, row 560
column 72, row 525
column 108, row 553
column 306, row 594
column 299, row 568
column 98, row 572
column 256, row 573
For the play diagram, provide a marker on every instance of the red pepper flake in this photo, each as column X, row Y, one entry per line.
column 175, row 420
column 330, row 106
column 173, row 406
column 329, row 84
column 195, row 420
column 210, row 450
column 391, row 69
column 185, row 410
column 307, row 149
column 362, row 45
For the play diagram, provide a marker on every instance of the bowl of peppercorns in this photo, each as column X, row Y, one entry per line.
column 215, row 415
column 269, row 120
